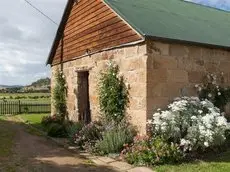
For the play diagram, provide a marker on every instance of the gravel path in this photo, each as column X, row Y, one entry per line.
column 32, row 153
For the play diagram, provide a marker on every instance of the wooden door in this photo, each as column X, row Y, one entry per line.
column 83, row 97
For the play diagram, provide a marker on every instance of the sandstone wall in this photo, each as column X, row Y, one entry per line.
column 174, row 69
column 133, row 64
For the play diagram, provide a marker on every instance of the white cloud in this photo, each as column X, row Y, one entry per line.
column 25, row 39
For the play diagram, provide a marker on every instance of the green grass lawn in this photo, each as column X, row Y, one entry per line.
column 218, row 163
column 23, row 94
column 34, row 119
column 26, row 97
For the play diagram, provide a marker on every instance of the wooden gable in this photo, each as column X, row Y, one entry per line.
column 90, row 26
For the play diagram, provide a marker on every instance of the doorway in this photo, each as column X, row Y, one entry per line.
column 83, row 97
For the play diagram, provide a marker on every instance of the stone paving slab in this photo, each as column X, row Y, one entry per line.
column 106, row 159
column 140, row 169
column 99, row 162
column 123, row 166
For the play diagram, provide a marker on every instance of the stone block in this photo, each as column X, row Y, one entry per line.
column 178, row 76
column 215, row 54
column 172, row 90
column 185, row 63
column 165, row 62
column 138, row 119
column 158, row 48
column 142, row 49
column 138, row 89
column 212, row 66
column 130, row 64
column 178, row 50
column 153, row 103
column 137, row 103
column 195, row 77
column 142, row 76
column 131, row 51
column 224, row 66
column 157, row 75
column 131, row 77
column 194, row 52
column 155, row 89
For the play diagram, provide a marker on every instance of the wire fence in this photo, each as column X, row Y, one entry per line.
column 18, row 107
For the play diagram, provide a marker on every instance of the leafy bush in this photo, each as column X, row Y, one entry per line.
column 114, row 139
column 113, row 94
column 87, row 137
column 47, row 120
column 147, row 151
column 56, row 130
column 194, row 124
column 72, row 129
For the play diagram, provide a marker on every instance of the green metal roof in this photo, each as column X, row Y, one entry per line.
column 175, row 20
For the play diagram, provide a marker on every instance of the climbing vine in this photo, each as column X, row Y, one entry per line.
column 113, row 93
column 59, row 95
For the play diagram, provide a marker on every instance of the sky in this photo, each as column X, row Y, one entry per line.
column 25, row 39
column 219, row 4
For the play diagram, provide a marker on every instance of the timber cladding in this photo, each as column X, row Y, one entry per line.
column 92, row 26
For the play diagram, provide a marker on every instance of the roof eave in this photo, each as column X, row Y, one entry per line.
column 170, row 40
column 60, row 30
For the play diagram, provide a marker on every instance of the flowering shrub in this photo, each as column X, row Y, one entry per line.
column 214, row 90
column 87, row 137
column 114, row 138
column 72, row 129
column 192, row 123
column 113, row 94
column 152, row 151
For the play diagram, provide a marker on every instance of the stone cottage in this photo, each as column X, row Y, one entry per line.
column 163, row 48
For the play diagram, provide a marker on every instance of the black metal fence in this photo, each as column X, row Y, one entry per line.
column 18, row 107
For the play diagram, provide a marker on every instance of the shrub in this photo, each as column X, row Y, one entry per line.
column 72, row 129
column 113, row 94
column 56, row 130
column 194, row 124
column 86, row 138
column 147, row 151
column 47, row 120
column 114, row 139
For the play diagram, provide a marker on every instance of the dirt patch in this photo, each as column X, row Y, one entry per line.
column 32, row 153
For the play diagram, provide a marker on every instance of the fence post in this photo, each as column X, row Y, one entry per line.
column 19, row 106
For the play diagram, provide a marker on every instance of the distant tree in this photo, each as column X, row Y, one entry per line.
column 41, row 82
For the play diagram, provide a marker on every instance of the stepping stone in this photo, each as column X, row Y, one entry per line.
column 123, row 166
column 106, row 159
column 140, row 169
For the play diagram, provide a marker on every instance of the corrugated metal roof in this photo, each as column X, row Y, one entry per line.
column 175, row 20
